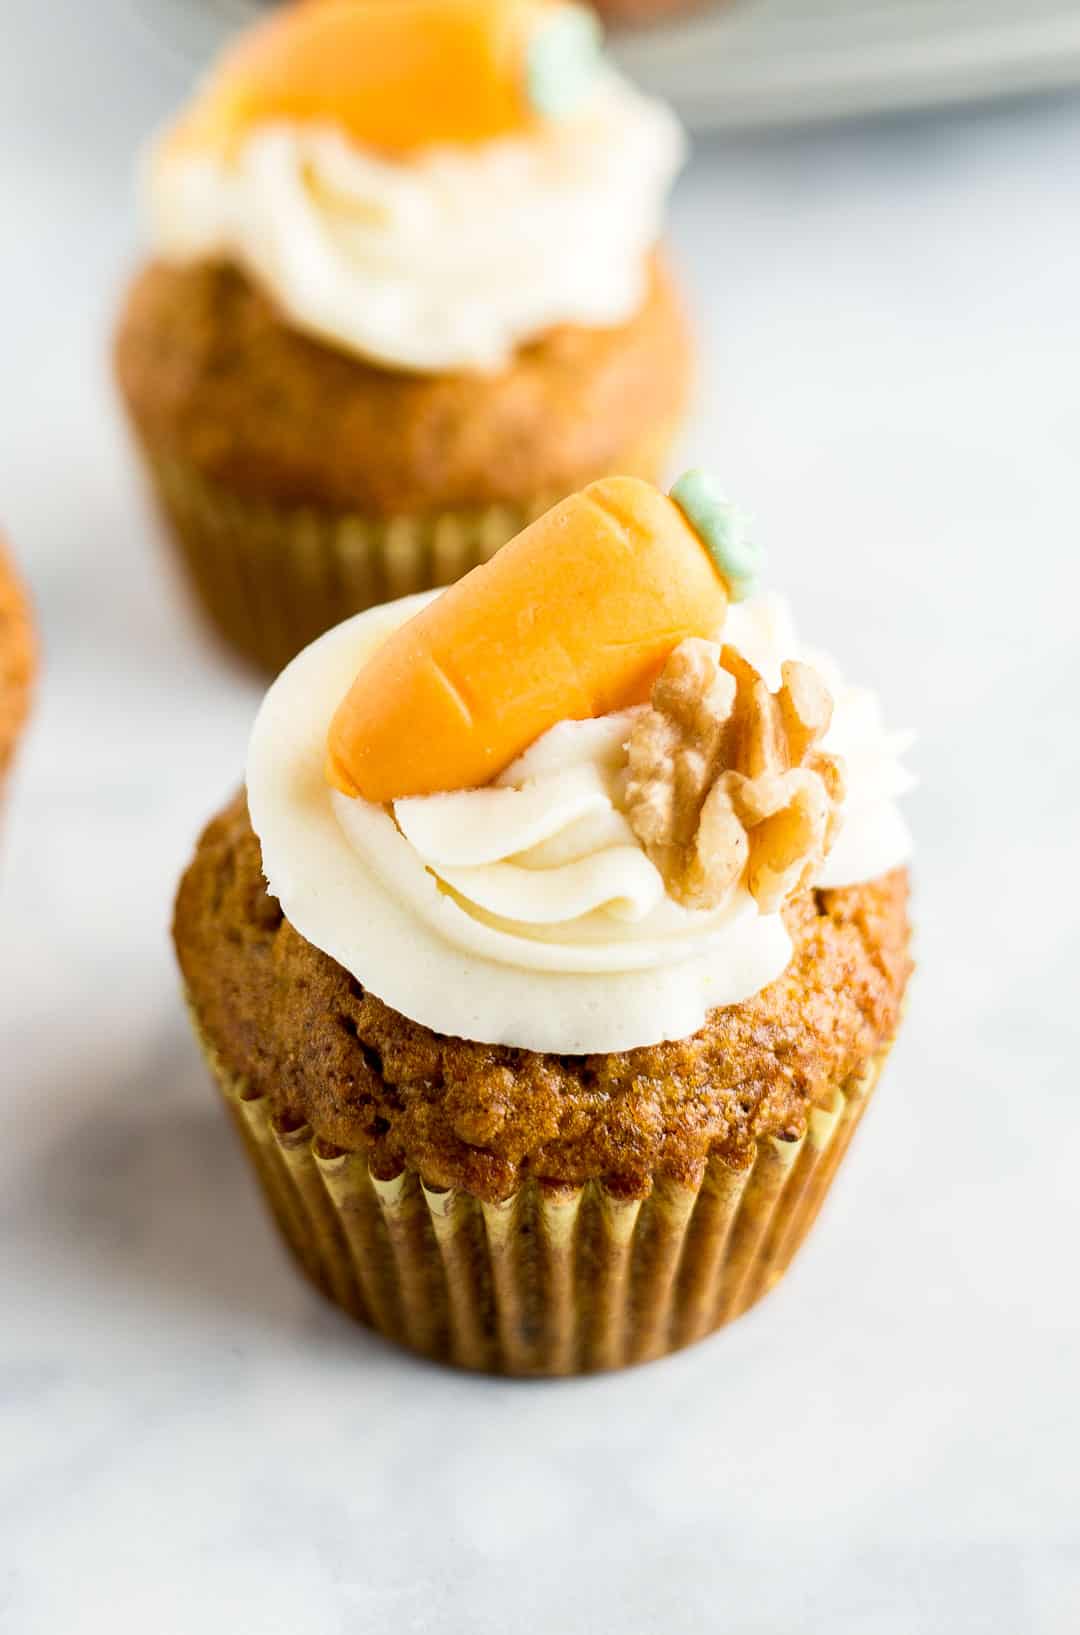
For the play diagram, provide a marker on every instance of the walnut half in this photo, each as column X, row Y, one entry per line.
column 724, row 778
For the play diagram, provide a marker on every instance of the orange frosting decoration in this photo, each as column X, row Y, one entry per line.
column 397, row 75
column 572, row 619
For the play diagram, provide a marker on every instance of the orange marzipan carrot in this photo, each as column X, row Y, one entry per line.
column 395, row 74
column 572, row 619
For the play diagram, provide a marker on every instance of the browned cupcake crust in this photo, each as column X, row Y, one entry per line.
column 214, row 376
column 299, row 1029
column 17, row 660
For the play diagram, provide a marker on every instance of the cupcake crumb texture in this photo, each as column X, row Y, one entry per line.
column 297, row 1028
column 213, row 378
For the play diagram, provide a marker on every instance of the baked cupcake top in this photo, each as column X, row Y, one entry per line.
column 428, row 184
column 562, row 805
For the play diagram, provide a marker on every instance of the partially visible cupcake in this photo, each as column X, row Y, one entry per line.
column 18, row 661
column 407, row 291
column 551, row 961
column 633, row 13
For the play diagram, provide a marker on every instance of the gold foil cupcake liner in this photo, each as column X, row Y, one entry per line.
column 271, row 578
column 556, row 1280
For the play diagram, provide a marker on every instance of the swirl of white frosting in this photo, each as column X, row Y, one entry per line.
column 526, row 913
column 540, row 871
column 446, row 259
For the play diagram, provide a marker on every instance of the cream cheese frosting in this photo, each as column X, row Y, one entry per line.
column 526, row 913
column 446, row 259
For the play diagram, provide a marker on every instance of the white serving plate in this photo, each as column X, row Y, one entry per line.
column 762, row 62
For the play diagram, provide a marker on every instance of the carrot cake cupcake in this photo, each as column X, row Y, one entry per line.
column 554, row 952
column 406, row 292
column 17, row 662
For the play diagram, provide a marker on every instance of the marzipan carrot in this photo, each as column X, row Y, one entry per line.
column 400, row 74
column 572, row 619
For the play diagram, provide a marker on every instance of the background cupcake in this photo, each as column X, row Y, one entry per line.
column 406, row 292
column 17, row 661
column 549, row 1072
column 644, row 11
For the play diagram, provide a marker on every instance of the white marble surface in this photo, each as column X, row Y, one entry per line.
column 194, row 1441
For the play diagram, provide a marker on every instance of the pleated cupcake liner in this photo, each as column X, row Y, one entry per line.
column 271, row 578
column 556, row 1280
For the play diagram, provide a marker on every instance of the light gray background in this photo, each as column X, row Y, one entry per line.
column 759, row 62
column 193, row 1441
